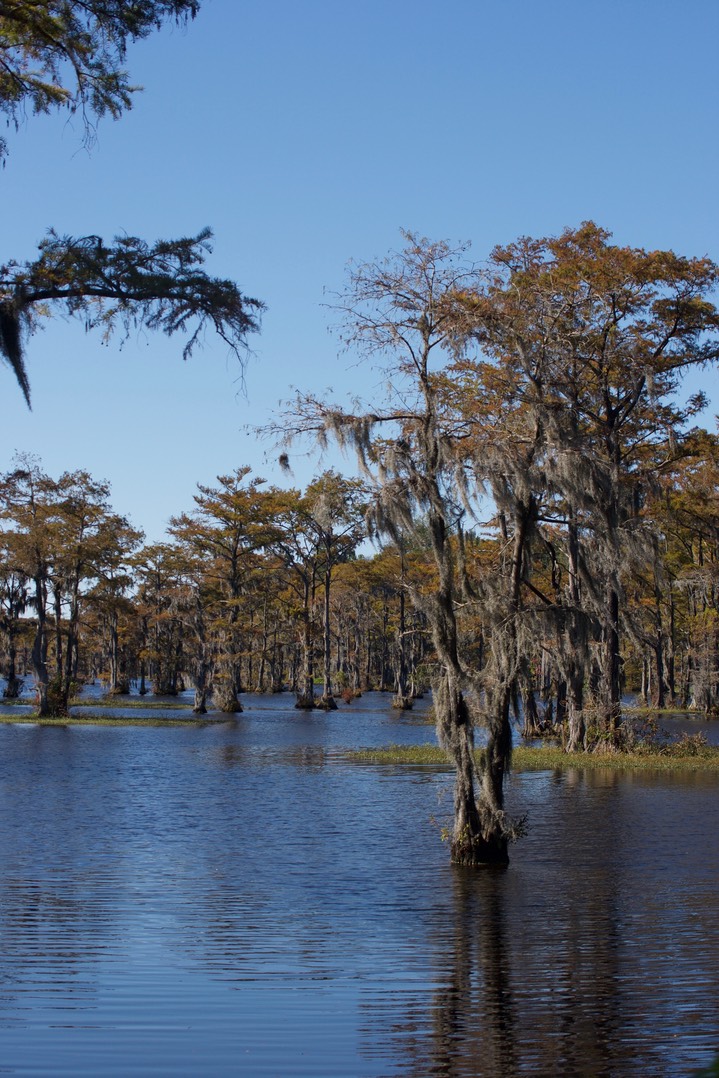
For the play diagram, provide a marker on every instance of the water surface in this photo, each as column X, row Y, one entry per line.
column 232, row 898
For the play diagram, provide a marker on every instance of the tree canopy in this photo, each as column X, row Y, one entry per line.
column 68, row 54
column 127, row 283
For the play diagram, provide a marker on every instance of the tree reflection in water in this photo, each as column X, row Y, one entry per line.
column 591, row 954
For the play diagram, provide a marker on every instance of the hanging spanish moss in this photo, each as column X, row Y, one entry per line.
column 11, row 343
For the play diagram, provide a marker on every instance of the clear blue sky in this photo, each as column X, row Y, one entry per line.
column 306, row 134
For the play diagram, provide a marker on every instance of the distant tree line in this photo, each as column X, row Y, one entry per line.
column 263, row 589
column 255, row 589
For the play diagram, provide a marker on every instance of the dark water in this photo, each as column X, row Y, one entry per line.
column 233, row 899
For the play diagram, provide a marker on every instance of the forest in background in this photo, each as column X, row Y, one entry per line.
column 259, row 589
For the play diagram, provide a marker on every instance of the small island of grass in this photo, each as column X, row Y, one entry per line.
column 691, row 756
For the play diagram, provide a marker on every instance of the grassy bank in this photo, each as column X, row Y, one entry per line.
column 705, row 758
column 107, row 703
column 103, row 720
column 122, row 702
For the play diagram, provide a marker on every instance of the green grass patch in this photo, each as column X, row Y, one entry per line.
column 135, row 703
column 88, row 720
column 549, row 759
column 106, row 703
column 123, row 702
column 646, row 709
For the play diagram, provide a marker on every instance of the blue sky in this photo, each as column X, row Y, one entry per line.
column 308, row 134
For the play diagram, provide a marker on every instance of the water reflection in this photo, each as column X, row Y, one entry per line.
column 474, row 1012
column 594, row 953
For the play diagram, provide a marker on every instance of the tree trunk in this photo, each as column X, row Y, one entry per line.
column 612, row 669
column 306, row 697
column 480, row 834
column 577, row 741
column 39, row 650
column 402, row 698
column 327, row 702
column 671, row 672
column 476, row 840
column 13, row 684
column 225, row 697
column 661, row 684
column 530, row 714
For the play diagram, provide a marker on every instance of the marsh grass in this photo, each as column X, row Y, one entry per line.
column 550, row 759
column 118, row 702
column 96, row 720
column 104, row 703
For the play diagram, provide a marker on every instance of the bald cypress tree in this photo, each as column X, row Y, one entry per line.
column 589, row 341
column 411, row 449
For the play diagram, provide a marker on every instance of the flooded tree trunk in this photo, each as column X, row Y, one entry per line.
column 493, row 772
column 327, row 701
column 577, row 741
column 306, row 697
column 661, row 683
column 13, row 684
column 225, row 694
column 66, row 664
column 59, row 646
column 39, row 650
column 480, row 834
column 476, row 838
column 612, row 668
column 264, row 648
column 119, row 680
column 530, row 726
column 385, row 670
column 671, row 661
column 201, row 674
column 402, row 698
column 575, row 652
column 113, row 652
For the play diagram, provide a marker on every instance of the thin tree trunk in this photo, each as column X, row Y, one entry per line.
column 39, row 650
column 612, row 668
column 306, row 698
column 328, row 701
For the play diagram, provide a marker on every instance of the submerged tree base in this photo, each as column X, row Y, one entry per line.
column 306, row 703
column 477, row 852
column 402, row 703
column 13, row 688
column 121, row 688
column 226, row 702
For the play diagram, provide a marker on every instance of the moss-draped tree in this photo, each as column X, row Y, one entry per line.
column 588, row 341
column 399, row 312
column 127, row 283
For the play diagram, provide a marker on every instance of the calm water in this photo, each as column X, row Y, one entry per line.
column 233, row 899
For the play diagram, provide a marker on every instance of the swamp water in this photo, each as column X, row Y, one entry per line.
column 235, row 899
